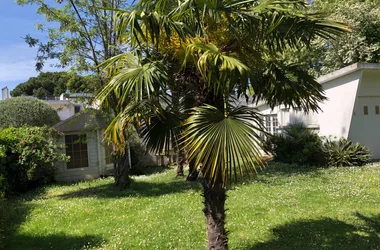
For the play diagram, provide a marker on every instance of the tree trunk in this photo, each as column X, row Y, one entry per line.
column 121, row 166
column 193, row 171
column 214, row 201
column 181, row 160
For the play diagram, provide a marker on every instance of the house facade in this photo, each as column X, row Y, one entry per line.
column 352, row 109
column 90, row 156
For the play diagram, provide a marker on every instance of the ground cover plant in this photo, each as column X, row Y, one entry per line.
column 283, row 207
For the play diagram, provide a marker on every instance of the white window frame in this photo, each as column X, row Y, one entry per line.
column 271, row 124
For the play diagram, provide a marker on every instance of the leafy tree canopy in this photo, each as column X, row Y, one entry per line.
column 56, row 83
column 360, row 45
column 26, row 111
column 85, row 35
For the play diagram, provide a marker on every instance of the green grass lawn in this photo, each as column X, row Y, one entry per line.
column 284, row 207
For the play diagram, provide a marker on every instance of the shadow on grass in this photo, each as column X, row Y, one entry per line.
column 15, row 211
column 324, row 234
column 149, row 170
column 62, row 242
column 138, row 188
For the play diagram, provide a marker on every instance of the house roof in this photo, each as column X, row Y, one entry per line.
column 87, row 120
column 347, row 70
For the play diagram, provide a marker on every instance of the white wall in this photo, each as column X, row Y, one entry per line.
column 365, row 128
column 337, row 111
column 65, row 109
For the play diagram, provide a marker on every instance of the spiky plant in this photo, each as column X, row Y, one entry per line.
column 343, row 152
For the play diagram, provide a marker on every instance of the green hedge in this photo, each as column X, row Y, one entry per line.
column 23, row 111
column 27, row 157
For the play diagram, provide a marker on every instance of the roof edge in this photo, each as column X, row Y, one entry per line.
column 347, row 70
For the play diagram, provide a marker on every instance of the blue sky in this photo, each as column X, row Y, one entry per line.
column 16, row 57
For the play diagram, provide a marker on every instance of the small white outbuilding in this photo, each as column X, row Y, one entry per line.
column 90, row 156
column 352, row 110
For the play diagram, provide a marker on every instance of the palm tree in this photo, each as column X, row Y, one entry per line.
column 187, row 63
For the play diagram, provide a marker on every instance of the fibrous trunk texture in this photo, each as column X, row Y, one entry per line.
column 181, row 160
column 193, row 171
column 122, row 167
column 214, row 201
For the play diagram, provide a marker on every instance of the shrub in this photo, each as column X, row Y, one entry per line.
column 344, row 152
column 27, row 156
column 297, row 145
column 24, row 111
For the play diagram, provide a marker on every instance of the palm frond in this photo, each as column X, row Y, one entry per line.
column 162, row 132
column 143, row 27
column 291, row 85
column 129, row 76
column 129, row 118
column 226, row 147
column 218, row 69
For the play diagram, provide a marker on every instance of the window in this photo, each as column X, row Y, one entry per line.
column 271, row 124
column 275, row 124
column 365, row 110
column 76, row 149
column 377, row 110
column 268, row 126
column 108, row 149
column 76, row 109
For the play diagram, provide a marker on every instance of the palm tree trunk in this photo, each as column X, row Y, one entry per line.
column 214, row 202
column 193, row 171
column 121, row 166
column 181, row 159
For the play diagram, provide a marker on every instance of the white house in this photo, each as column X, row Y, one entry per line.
column 89, row 156
column 69, row 104
column 352, row 110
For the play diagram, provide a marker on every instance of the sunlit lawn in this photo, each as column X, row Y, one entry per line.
column 284, row 207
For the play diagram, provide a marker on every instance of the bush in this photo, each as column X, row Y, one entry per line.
column 23, row 111
column 344, row 152
column 297, row 145
column 27, row 156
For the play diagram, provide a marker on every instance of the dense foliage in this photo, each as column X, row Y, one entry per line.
column 344, row 152
column 361, row 45
column 302, row 146
column 27, row 156
column 24, row 111
column 297, row 145
column 55, row 84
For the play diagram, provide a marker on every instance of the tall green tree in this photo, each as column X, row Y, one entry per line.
column 85, row 35
column 55, row 84
column 187, row 62
column 362, row 45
